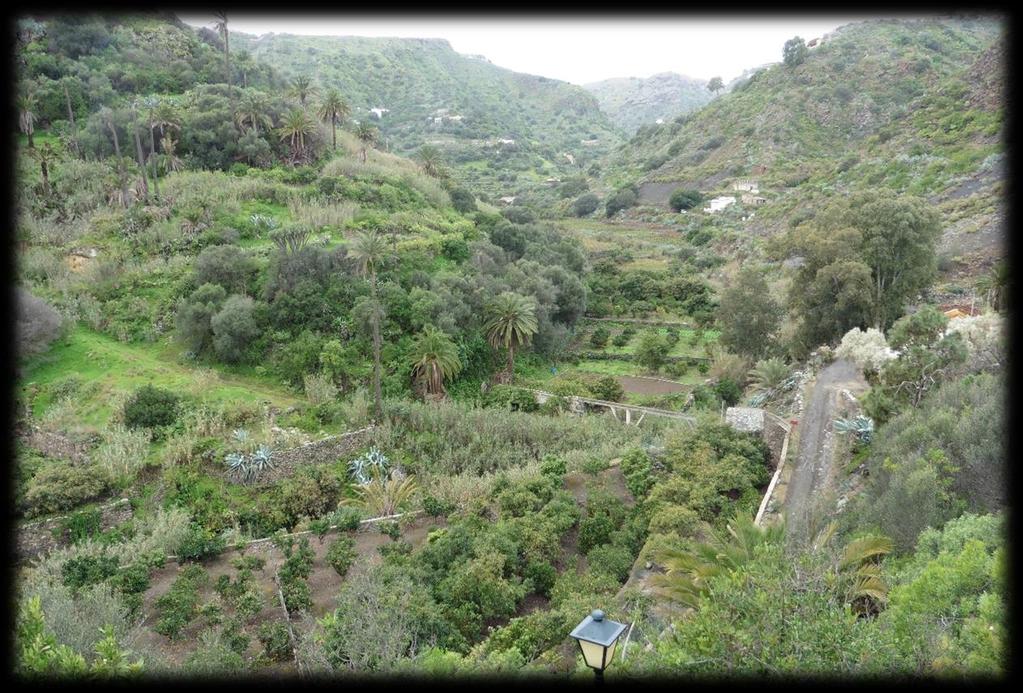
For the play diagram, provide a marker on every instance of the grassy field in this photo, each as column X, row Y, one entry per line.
column 107, row 368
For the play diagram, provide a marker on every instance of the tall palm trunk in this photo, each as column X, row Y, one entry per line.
column 71, row 119
column 511, row 361
column 120, row 164
column 378, row 398
column 333, row 129
column 142, row 163
column 152, row 155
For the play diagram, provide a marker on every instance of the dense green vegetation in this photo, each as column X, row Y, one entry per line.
column 223, row 266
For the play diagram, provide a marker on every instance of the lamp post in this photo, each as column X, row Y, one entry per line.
column 598, row 639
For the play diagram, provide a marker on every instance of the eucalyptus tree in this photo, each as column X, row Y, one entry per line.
column 334, row 109
column 511, row 323
column 369, row 250
column 434, row 359
column 368, row 135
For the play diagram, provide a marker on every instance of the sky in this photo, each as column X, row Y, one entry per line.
column 574, row 49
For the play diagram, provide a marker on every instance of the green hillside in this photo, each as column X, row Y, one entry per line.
column 906, row 105
column 631, row 102
column 463, row 105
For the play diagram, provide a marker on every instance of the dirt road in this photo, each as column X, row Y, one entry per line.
column 814, row 472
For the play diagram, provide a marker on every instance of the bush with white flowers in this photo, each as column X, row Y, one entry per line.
column 867, row 349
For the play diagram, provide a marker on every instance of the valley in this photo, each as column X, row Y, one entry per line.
column 359, row 357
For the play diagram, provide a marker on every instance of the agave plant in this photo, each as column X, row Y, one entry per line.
column 373, row 462
column 250, row 467
column 240, row 435
column 861, row 426
column 263, row 222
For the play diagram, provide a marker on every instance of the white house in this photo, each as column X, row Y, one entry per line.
column 508, row 200
column 379, row 112
column 719, row 203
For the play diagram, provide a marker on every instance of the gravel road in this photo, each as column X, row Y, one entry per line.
column 814, row 472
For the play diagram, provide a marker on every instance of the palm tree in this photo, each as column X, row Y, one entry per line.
column 243, row 59
column 45, row 154
column 335, row 110
column 221, row 26
column 511, row 323
column 302, row 87
column 368, row 135
column 384, row 495
column 71, row 113
column 434, row 359
column 769, row 374
column 687, row 571
column 432, row 162
column 994, row 286
column 26, row 115
column 107, row 117
column 295, row 127
column 151, row 104
column 252, row 111
column 168, row 145
column 369, row 251
column 138, row 148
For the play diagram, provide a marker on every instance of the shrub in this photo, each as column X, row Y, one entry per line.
column 62, row 487
column 341, row 555
column 585, row 205
column 82, row 571
column 729, row 391
column 234, row 328
column 599, row 337
column 150, row 407
column 391, row 529
column 652, row 350
column 542, row 576
column 123, row 452
column 623, row 199
column 685, row 199
column 347, row 519
column 608, row 388
column 82, row 525
column 225, row 265
column 553, row 466
column 462, row 200
column 612, row 560
column 276, row 641
column 200, row 543
column 435, row 507
column 638, row 472
column 178, row 607
column 38, row 324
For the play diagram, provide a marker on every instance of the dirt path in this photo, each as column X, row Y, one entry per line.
column 814, row 473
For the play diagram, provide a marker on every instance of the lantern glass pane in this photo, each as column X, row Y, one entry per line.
column 611, row 653
column 592, row 653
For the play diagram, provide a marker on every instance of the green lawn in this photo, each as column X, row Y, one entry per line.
column 108, row 366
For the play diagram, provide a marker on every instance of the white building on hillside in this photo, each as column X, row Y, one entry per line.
column 719, row 203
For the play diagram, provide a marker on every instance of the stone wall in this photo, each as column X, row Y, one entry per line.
column 36, row 538
column 772, row 429
column 318, row 452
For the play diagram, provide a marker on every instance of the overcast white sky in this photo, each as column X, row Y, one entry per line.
column 575, row 49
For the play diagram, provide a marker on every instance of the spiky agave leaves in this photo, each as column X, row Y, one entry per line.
column 364, row 468
column 250, row 467
column 861, row 426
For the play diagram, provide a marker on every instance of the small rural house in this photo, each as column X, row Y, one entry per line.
column 751, row 199
column 719, row 203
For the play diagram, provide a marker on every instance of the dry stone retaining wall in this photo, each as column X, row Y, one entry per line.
column 318, row 452
column 36, row 538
